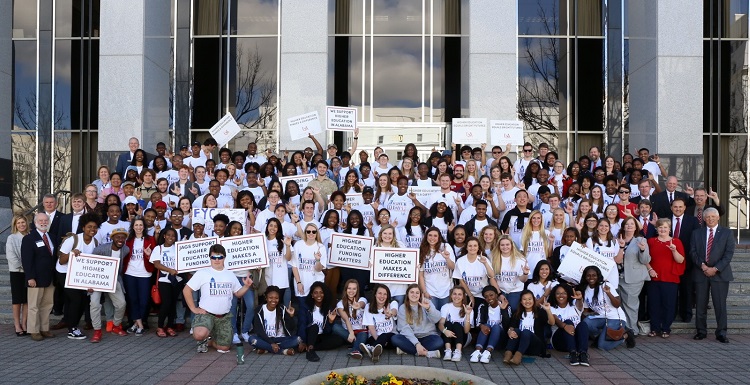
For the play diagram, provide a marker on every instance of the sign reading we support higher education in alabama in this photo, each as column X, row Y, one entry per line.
column 87, row 271
column 506, row 131
column 245, row 252
column 580, row 257
column 392, row 265
column 193, row 255
column 302, row 125
column 225, row 129
column 469, row 130
column 351, row 251
column 341, row 118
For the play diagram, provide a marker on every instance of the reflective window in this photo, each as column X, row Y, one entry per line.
column 727, row 16
column 24, row 84
column 23, row 146
column 397, row 16
column 76, row 18
column 541, row 17
column 24, row 19
column 539, row 83
column 256, row 17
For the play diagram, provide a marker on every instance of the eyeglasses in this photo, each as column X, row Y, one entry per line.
column 624, row 192
column 591, row 220
column 497, row 152
column 525, row 150
column 217, row 257
column 91, row 191
column 311, row 231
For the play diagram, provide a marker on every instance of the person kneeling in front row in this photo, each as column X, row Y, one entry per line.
column 212, row 324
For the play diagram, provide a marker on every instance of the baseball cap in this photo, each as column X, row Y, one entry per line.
column 456, row 167
column 130, row 199
column 161, row 204
column 119, row 230
column 196, row 143
column 128, row 183
column 184, row 147
column 199, row 221
column 333, row 145
column 368, row 189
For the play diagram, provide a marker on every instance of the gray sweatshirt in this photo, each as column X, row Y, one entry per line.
column 418, row 330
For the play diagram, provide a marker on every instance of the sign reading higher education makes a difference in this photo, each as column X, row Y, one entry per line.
column 245, row 252
column 351, row 251
column 97, row 272
column 393, row 265
column 193, row 255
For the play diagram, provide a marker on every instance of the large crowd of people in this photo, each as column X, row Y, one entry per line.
column 491, row 237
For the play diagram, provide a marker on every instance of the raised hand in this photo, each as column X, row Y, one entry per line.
column 175, row 189
column 247, row 281
column 672, row 246
column 289, row 310
column 147, row 251
column 194, row 191
column 425, row 303
column 642, row 244
column 689, row 190
column 288, row 241
column 526, row 269
column 606, row 288
column 332, row 316
column 577, row 295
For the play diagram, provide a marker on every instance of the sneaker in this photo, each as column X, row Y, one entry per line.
column 97, row 336
column 475, row 356
column 290, row 352
column 433, row 354
column 245, row 336
column 356, row 355
column 203, row 345
column 236, row 339
column 119, row 331
column 312, row 356
column 486, row 356
column 456, row 356
column 365, row 349
column 110, row 326
column 139, row 332
column 399, row 351
column 133, row 328
column 574, row 361
column 630, row 341
column 222, row 351
column 376, row 352
column 583, row 359
column 448, row 355
column 191, row 331
column 75, row 334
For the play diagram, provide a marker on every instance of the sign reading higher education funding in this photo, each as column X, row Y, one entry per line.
column 245, row 252
column 469, row 131
column 193, row 255
column 393, row 265
column 302, row 180
column 302, row 125
column 352, row 251
column 88, row 271
column 503, row 132
column 579, row 257
column 341, row 118
column 225, row 129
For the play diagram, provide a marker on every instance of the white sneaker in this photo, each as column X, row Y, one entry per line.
column 236, row 339
column 191, row 331
column 399, row 351
column 365, row 349
column 246, row 336
column 486, row 355
column 456, row 356
column 475, row 356
column 447, row 356
column 433, row 354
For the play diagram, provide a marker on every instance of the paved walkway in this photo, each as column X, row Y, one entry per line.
column 150, row 360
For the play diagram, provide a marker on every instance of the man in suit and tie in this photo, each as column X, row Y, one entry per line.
column 662, row 201
column 711, row 252
column 682, row 228
column 701, row 204
column 124, row 160
column 49, row 204
column 38, row 259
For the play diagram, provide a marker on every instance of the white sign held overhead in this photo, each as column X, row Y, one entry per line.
column 88, row 271
column 302, row 125
column 503, row 132
column 341, row 118
column 225, row 129
column 579, row 257
column 469, row 130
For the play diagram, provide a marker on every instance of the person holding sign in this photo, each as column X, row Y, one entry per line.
column 275, row 326
column 436, row 262
column 218, row 287
column 604, row 243
column 602, row 310
column 387, row 238
column 164, row 258
column 116, row 249
column 474, row 271
column 526, row 329
column 308, row 262
column 417, row 334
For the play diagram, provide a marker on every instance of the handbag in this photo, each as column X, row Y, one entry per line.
column 155, row 296
column 609, row 333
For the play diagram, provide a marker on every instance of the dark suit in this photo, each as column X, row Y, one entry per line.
column 662, row 206
column 54, row 236
column 693, row 211
column 188, row 194
column 685, row 298
column 38, row 264
column 649, row 231
column 718, row 285
column 123, row 161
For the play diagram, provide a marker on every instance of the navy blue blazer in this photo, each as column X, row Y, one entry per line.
column 123, row 161
column 38, row 262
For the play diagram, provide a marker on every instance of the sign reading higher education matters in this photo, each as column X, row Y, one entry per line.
column 193, row 255
column 245, row 252
column 225, row 129
column 579, row 257
column 341, row 118
column 351, row 251
column 469, row 131
column 207, row 215
column 302, row 125
column 393, row 265
column 503, row 132
column 88, row 271
column 302, row 180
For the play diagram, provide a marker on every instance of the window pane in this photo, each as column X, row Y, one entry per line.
column 24, row 79
column 539, row 87
column 75, row 18
column 397, row 79
column 541, row 17
column 23, row 146
column 62, row 161
column 257, row 17
column 737, row 92
column 255, row 79
column 589, row 18
column 397, row 16
column 735, row 19
column 446, row 17
column 24, row 19
column 209, row 18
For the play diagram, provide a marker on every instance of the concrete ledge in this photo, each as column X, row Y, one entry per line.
column 373, row 371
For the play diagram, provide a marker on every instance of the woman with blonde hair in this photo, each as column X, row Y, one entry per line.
column 511, row 270
column 473, row 172
column 387, row 238
column 19, row 227
column 534, row 240
column 488, row 237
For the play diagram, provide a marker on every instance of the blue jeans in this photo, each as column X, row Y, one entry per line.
column 399, row 299
column 439, row 302
column 249, row 299
column 489, row 341
column 513, row 300
column 526, row 343
column 431, row 342
column 283, row 342
column 579, row 342
column 138, row 292
column 343, row 332
column 596, row 330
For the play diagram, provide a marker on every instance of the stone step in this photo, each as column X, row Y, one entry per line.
column 734, row 327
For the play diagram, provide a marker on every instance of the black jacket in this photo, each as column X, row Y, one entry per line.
column 540, row 324
column 306, row 320
column 38, row 262
column 288, row 323
column 483, row 314
column 471, row 224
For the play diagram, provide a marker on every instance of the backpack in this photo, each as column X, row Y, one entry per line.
column 75, row 241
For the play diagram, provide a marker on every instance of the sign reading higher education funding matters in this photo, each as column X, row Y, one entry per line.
column 225, row 129
column 579, row 257
column 503, row 132
column 88, row 271
column 302, row 125
column 352, row 251
column 193, row 255
column 393, row 265
column 469, row 131
column 341, row 118
column 245, row 252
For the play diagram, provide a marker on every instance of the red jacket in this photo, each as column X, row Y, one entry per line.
column 148, row 241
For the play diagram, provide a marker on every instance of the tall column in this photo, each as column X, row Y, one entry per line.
column 6, row 112
column 666, row 83
column 133, row 75
column 614, row 111
column 492, row 58
column 304, row 65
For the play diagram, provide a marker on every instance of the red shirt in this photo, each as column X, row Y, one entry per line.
column 458, row 188
column 663, row 262
column 621, row 208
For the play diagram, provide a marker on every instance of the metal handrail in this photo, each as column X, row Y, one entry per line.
column 35, row 208
column 739, row 199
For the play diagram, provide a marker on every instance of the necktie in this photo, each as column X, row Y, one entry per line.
column 645, row 226
column 700, row 216
column 710, row 243
column 677, row 228
column 46, row 242
column 671, row 198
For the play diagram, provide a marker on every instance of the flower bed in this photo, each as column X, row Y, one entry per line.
column 391, row 375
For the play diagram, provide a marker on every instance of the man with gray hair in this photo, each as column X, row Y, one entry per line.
column 124, row 160
column 38, row 259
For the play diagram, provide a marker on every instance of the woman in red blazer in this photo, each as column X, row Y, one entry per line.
column 137, row 272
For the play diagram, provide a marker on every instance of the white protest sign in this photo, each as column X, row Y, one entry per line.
column 579, row 257
column 423, row 193
column 225, row 129
column 341, row 118
column 351, row 251
column 354, row 199
column 393, row 265
column 302, row 180
column 469, row 131
column 207, row 215
column 302, row 125
column 193, row 255
column 88, row 271
column 245, row 252
column 503, row 132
